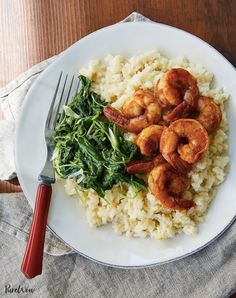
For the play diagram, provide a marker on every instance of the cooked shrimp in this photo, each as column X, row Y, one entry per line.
column 144, row 166
column 138, row 112
column 209, row 114
column 177, row 87
column 181, row 111
column 148, row 140
column 183, row 143
column 167, row 185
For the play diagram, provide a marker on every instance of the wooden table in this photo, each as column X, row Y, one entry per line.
column 33, row 30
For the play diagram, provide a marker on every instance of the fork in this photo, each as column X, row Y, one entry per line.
column 33, row 257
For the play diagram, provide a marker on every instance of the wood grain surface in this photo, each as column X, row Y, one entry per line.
column 33, row 30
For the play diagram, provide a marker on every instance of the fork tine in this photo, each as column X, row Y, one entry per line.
column 67, row 98
column 68, row 95
column 53, row 102
column 59, row 104
column 77, row 88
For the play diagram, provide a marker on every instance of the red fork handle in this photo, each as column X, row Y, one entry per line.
column 33, row 258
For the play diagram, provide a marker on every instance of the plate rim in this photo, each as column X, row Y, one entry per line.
column 27, row 98
column 131, row 267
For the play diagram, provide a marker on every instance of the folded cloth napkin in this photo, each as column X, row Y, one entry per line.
column 209, row 273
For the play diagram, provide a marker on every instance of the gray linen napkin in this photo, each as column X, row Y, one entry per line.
column 209, row 273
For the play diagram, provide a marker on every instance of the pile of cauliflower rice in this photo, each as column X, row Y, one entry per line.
column 140, row 214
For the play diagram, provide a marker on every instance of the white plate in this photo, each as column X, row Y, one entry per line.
column 66, row 219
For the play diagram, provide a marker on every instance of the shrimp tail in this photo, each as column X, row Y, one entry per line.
column 179, row 164
column 115, row 116
column 181, row 111
column 144, row 166
column 139, row 166
column 158, row 160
